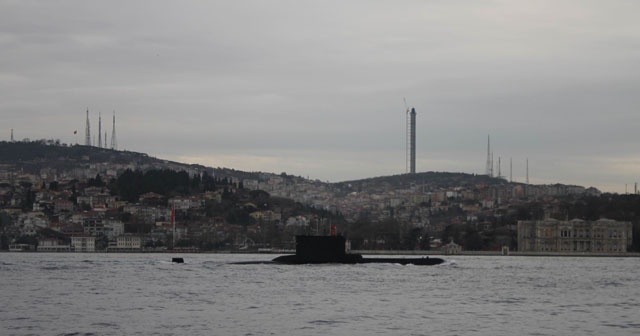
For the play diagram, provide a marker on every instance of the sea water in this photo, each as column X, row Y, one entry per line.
column 147, row 294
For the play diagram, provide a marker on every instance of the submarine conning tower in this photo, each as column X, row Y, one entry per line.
column 320, row 248
column 331, row 249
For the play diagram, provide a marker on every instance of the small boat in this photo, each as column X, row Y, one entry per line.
column 331, row 249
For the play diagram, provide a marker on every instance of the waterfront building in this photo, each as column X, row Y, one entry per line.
column 550, row 235
column 451, row 248
column 21, row 248
column 52, row 245
column 127, row 243
column 83, row 243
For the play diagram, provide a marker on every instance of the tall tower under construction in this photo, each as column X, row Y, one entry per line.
column 411, row 140
column 87, row 132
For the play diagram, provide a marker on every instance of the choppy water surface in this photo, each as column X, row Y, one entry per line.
column 146, row 294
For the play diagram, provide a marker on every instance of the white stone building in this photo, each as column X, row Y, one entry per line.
column 83, row 243
column 127, row 243
column 550, row 235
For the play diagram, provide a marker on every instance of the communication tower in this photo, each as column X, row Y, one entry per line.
column 489, row 169
column 100, row 130
column 114, row 141
column 510, row 170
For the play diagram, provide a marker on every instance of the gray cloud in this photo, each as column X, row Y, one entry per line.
column 316, row 88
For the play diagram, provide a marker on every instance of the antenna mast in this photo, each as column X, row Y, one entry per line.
column 100, row 130
column 510, row 170
column 489, row 169
column 114, row 141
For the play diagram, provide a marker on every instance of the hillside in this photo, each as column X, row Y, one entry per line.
column 387, row 212
column 32, row 157
column 431, row 180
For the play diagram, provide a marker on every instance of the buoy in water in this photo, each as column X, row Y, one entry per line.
column 177, row 260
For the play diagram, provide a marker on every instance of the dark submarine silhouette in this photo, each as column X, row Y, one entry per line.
column 331, row 249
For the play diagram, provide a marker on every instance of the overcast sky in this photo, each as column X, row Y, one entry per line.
column 316, row 88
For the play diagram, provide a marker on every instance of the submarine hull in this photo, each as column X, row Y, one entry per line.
column 356, row 259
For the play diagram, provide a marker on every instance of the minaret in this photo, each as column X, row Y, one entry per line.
column 100, row 130
column 12, row 135
column 114, row 141
column 87, row 132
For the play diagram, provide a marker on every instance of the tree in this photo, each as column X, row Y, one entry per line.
column 239, row 216
column 96, row 182
column 5, row 222
column 635, row 245
column 472, row 240
column 414, row 239
column 451, row 233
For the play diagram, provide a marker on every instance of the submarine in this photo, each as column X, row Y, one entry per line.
column 331, row 250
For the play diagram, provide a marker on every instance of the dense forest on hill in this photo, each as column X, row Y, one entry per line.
column 130, row 185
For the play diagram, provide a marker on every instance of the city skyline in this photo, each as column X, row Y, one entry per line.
column 317, row 89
